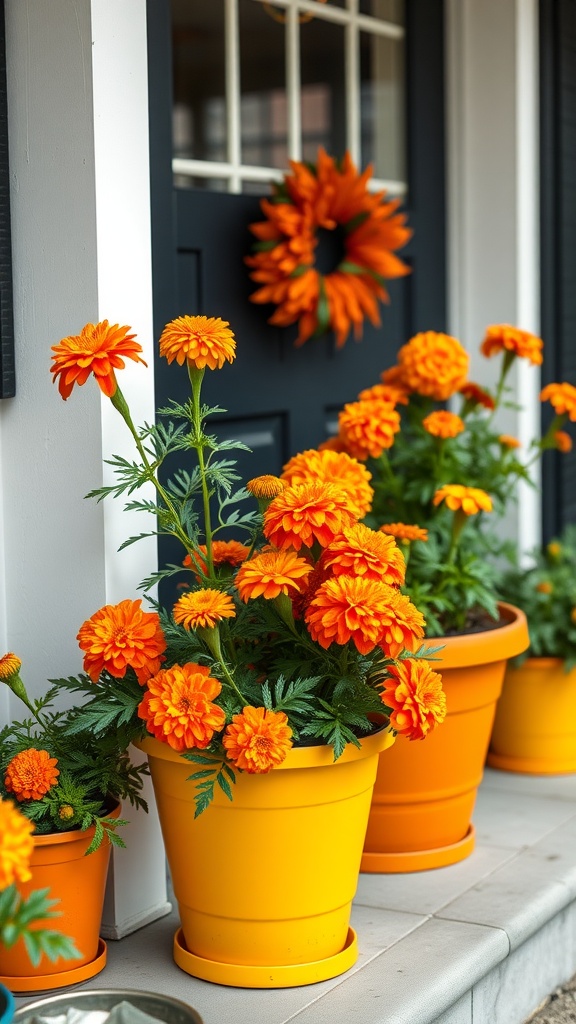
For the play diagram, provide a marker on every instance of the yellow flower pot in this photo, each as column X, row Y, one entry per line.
column 535, row 725
column 265, row 882
column 425, row 790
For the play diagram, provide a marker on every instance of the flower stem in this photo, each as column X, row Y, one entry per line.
column 196, row 377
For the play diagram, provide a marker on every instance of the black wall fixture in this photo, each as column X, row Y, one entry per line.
column 7, row 374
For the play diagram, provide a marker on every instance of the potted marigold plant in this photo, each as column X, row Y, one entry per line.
column 60, row 793
column 442, row 477
column 290, row 655
column 535, row 725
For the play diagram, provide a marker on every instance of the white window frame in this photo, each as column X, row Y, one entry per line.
column 232, row 170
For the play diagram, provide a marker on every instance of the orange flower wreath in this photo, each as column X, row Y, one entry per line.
column 332, row 196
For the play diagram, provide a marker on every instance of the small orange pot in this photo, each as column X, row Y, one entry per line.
column 425, row 790
column 265, row 882
column 535, row 724
column 78, row 882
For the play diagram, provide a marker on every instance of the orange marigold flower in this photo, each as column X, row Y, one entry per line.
column 554, row 549
column 394, row 377
column 99, row 349
column 503, row 337
column 332, row 444
column 334, row 468
column 352, row 608
column 16, row 845
column 404, row 629
column 562, row 398
column 203, row 609
column 368, row 428
column 415, row 697
column 200, row 341
column 31, row 774
column 178, row 706
column 360, row 551
column 266, row 486
column 434, row 364
column 386, row 393
column 272, row 573
column 508, row 441
column 10, row 664
column 405, row 531
column 475, row 395
column 572, row 619
column 563, row 441
column 257, row 740
column 224, row 552
column 119, row 637
column 545, row 587
column 443, row 424
column 316, row 511
column 470, row 499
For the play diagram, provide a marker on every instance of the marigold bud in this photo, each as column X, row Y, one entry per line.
column 65, row 812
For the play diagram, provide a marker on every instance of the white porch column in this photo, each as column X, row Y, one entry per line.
column 78, row 133
column 493, row 198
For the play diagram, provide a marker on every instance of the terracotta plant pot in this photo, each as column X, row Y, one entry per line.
column 59, row 864
column 535, row 725
column 425, row 790
column 265, row 882
column 6, row 1005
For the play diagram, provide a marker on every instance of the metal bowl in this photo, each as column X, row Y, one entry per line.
column 164, row 1008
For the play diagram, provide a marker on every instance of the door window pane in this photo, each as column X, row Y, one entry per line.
column 382, row 105
column 323, row 97
column 263, row 103
column 385, row 10
column 199, row 115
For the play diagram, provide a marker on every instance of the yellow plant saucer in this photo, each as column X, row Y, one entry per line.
column 244, row 976
column 419, row 860
column 35, row 984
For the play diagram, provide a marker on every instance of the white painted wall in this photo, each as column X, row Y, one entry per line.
column 78, row 134
column 493, row 200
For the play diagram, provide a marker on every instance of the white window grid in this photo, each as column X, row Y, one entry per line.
column 232, row 170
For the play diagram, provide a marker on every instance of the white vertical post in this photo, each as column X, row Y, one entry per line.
column 77, row 98
column 493, row 199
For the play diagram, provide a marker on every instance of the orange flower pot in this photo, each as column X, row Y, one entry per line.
column 78, row 882
column 535, row 725
column 265, row 882
column 425, row 789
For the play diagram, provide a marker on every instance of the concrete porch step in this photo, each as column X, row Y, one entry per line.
column 480, row 942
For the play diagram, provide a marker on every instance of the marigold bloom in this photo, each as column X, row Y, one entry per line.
column 562, row 398
column 31, row 774
column 475, row 395
column 332, row 444
column 16, row 845
column 368, row 428
column 394, row 377
column 10, row 664
column 360, row 551
column 508, row 441
column 563, row 441
column 545, row 587
column 272, row 573
column 203, row 609
column 352, row 608
column 307, row 513
column 470, row 499
column 257, row 740
column 119, row 637
column 434, row 364
column 415, row 696
column 404, row 629
column 386, row 393
column 335, row 468
column 572, row 619
column 503, row 337
column 178, row 706
column 99, row 349
column 266, row 486
column 554, row 549
column 224, row 552
column 201, row 341
column 443, row 424
column 405, row 531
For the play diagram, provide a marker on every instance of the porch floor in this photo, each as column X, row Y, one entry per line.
column 480, row 942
